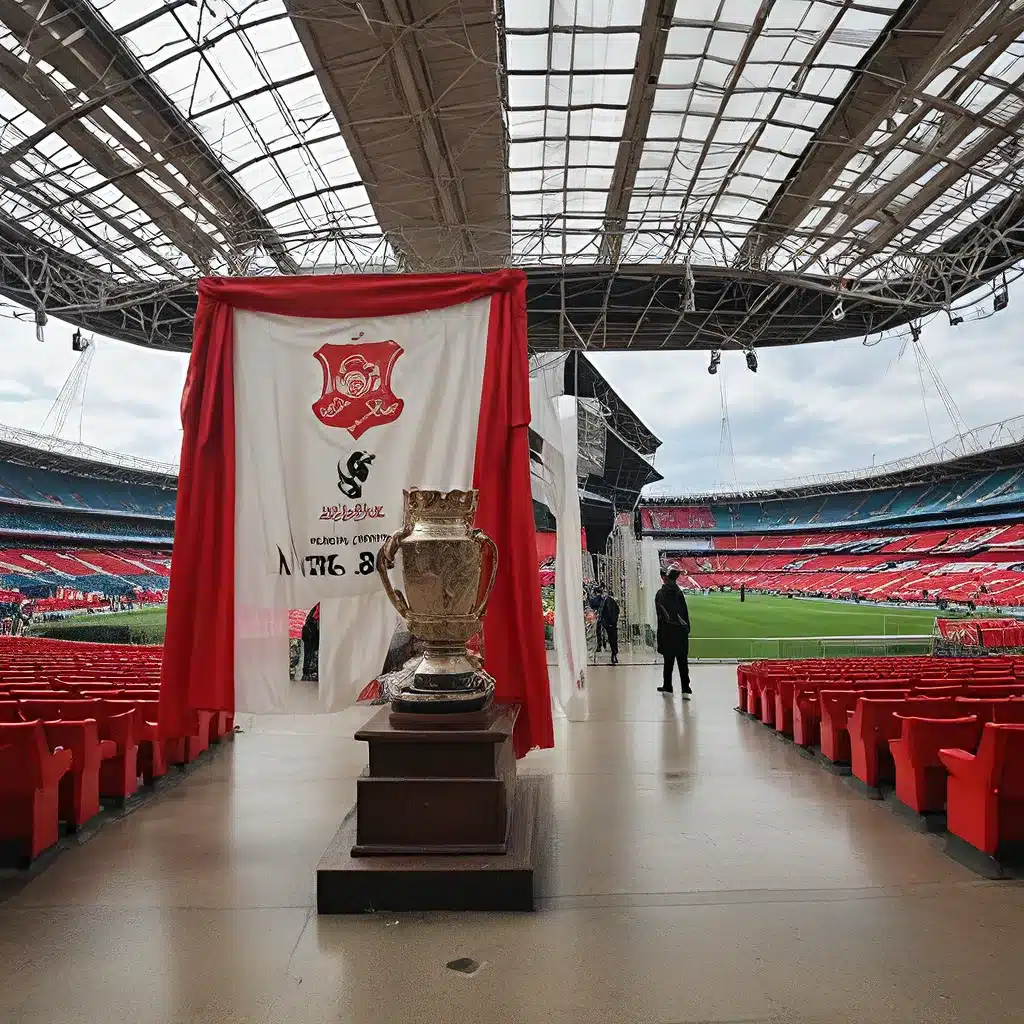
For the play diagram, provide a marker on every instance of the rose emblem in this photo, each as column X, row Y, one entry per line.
column 357, row 378
column 357, row 393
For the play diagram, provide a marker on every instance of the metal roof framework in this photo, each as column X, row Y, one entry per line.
column 714, row 174
column 27, row 448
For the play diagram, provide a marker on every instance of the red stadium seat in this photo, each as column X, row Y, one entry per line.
column 1008, row 712
column 985, row 800
column 873, row 724
column 920, row 775
column 119, row 775
column 29, row 783
column 806, row 717
column 152, row 756
column 80, row 787
column 836, row 707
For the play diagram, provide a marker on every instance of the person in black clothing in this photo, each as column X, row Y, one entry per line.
column 311, row 645
column 673, row 631
column 608, row 620
column 595, row 604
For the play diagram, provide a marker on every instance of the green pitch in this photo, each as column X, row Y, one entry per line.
column 145, row 626
column 722, row 627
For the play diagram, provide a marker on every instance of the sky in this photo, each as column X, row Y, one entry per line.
column 809, row 409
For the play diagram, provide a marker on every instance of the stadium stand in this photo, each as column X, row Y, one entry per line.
column 48, row 487
column 982, row 578
column 926, row 532
column 80, row 529
column 941, row 735
column 975, row 497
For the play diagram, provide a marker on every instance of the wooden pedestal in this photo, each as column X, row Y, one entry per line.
column 439, row 822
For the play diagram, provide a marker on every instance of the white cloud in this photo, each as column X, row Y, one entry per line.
column 818, row 408
column 132, row 394
column 808, row 409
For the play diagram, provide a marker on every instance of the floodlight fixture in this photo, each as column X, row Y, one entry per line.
column 751, row 357
column 954, row 321
column 716, row 358
column 1000, row 297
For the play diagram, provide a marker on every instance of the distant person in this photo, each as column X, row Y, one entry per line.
column 596, row 598
column 673, row 632
column 311, row 645
column 608, row 620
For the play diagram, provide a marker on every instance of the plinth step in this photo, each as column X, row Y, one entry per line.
column 438, row 813
column 348, row 884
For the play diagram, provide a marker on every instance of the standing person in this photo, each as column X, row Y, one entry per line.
column 595, row 605
column 673, row 632
column 608, row 618
column 311, row 645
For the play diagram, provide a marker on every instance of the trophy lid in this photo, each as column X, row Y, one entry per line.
column 423, row 503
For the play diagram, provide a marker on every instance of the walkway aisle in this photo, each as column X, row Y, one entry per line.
column 697, row 870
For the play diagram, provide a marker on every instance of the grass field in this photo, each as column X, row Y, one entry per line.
column 722, row 626
column 145, row 626
column 725, row 628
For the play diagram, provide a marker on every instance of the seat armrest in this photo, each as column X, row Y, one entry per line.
column 77, row 737
column 958, row 763
column 58, row 764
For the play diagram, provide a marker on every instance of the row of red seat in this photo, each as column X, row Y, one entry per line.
column 911, row 724
column 78, row 723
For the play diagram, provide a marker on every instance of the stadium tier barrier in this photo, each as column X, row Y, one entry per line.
column 79, row 724
column 946, row 734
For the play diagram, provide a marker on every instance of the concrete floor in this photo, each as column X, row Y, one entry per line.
column 696, row 870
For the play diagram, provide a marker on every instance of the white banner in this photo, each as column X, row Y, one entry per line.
column 332, row 420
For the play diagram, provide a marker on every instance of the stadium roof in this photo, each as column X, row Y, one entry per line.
column 29, row 449
column 714, row 173
column 982, row 450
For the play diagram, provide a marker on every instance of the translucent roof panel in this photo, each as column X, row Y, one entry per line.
column 246, row 171
column 858, row 141
column 737, row 98
column 946, row 159
column 251, row 93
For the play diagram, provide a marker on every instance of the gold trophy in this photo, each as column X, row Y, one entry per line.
column 444, row 598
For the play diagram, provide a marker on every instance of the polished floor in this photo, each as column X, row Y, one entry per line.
column 696, row 869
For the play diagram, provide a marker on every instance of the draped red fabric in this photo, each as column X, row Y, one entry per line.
column 198, row 667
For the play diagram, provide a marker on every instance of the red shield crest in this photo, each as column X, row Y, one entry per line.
column 357, row 386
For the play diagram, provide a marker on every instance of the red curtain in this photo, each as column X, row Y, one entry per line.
column 198, row 666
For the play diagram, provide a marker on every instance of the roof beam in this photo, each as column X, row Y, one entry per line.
column 654, row 29
column 37, row 92
column 911, row 49
column 414, row 86
column 98, row 63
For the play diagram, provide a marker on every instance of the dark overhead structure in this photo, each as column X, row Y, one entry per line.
column 785, row 172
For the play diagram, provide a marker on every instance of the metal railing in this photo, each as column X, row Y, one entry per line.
column 640, row 650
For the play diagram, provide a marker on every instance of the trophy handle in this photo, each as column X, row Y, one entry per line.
column 386, row 561
column 483, row 541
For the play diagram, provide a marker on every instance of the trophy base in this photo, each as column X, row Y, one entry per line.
column 475, row 694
